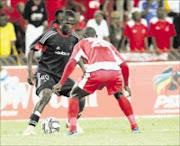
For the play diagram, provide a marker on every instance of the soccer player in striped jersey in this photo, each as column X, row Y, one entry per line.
column 105, row 67
column 56, row 45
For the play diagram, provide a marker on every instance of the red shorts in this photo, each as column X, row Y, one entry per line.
column 90, row 82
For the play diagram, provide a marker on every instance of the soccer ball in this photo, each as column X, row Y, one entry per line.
column 50, row 125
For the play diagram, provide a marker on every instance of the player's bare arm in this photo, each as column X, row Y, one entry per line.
column 30, row 77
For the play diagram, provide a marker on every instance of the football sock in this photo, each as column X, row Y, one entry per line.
column 73, row 110
column 34, row 118
column 126, row 107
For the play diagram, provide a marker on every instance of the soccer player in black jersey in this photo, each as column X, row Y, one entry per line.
column 56, row 45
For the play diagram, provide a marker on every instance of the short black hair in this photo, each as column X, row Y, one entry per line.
column 57, row 12
column 68, row 13
column 89, row 32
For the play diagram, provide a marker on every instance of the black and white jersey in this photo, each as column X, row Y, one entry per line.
column 56, row 50
column 35, row 15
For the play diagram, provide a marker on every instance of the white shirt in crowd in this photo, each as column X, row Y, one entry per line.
column 101, row 30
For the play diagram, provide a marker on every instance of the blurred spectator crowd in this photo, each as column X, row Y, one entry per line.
column 142, row 30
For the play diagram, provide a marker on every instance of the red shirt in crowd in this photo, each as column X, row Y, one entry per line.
column 80, row 25
column 91, row 7
column 162, row 31
column 52, row 6
column 136, row 32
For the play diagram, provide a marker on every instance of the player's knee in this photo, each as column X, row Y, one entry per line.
column 118, row 95
column 74, row 94
column 46, row 96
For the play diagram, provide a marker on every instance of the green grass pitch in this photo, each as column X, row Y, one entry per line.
column 154, row 131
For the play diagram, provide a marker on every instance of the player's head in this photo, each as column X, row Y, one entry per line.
column 161, row 12
column 79, row 33
column 89, row 32
column 69, row 20
column 3, row 20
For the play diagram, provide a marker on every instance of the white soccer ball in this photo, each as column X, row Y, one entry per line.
column 50, row 125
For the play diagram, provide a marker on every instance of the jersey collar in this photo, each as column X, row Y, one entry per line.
column 60, row 33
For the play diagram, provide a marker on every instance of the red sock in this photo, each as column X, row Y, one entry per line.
column 126, row 107
column 73, row 110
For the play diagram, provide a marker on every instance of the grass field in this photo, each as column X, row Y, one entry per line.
column 155, row 131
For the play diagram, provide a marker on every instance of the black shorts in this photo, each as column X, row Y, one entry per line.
column 44, row 80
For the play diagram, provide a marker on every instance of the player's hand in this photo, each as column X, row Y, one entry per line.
column 30, row 78
column 128, row 90
column 57, row 88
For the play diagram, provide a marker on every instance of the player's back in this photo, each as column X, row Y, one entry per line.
column 100, row 54
column 98, row 50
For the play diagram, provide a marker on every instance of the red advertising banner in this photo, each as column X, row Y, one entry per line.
column 155, row 91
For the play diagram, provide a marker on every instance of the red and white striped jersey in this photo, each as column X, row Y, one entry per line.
column 98, row 54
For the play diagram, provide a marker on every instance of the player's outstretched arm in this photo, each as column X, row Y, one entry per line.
column 125, row 73
column 30, row 77
column 67, row 71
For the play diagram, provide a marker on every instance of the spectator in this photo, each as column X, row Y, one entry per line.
column 80, row 24
column 173, row 10
column 35, row 16
column 148, row 9
column 19, row 25
column 7, row 37
column 137, row 32
column 5, row 9
column 100, row 25
column 162, row 30
column 115, row 29
column 58, row 21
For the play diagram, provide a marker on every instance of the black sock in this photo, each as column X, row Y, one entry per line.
column 33, row 120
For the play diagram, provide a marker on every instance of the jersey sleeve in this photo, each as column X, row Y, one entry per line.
column 41, row 40
column 78, row 52
column 67, row 71
column 117, row 56
column 125, row 73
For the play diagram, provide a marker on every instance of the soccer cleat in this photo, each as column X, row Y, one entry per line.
column 29, row 132
column 136, row 130
column 79, row 129
column 71, row 133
